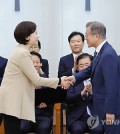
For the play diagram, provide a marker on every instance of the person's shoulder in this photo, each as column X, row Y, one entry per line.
column 3, row 58
column 20, row 52
column 66, row 56
column 108, row 47
column 45, row 60
column 110, row 50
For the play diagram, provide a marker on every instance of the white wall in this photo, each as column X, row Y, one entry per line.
column 56, row 19
column 52, row 34
column 29, row 10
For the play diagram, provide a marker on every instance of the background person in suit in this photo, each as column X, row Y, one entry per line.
column 3, row 63
column 79, row 100
column 105, row 74
column 43, row 111
column 20, row 79
column 66, row 64
column 45, row 65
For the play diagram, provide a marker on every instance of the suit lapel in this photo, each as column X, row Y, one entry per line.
column 71, row 61
column 96, row 60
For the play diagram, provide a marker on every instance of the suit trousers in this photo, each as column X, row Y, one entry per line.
column 43, row 125
column 11, row 124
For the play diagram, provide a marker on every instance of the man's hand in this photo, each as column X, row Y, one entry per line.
column 65, row 84
column 84, row 92
column 71, row 79
column 89, row 88
column 110, row 118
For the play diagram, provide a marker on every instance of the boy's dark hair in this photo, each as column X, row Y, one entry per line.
column 74, row 34
column 37, row 54
column 23, row 30
column 84, row 55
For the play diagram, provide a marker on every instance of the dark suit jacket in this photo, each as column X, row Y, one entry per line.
column 104, row 72
column 65, row 65
column 3, row 62
column 76, row 105
column 45, row 67
column 50, row 95
column 48, row 111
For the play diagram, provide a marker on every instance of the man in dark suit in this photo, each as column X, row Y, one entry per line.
column 3, row 62
column 45, row 65
column 105, row 77
column 66, row 64
column 79, row 100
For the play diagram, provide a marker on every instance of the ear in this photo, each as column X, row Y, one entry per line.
column 97, row 35
column 27, row 38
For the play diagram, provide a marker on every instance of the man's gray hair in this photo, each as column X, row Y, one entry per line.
column 97, row 28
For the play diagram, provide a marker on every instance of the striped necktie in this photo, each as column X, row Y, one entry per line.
column 95, row 54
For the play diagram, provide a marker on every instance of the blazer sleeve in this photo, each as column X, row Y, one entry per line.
column 26, row 65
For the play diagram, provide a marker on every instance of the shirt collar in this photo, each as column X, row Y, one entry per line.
column 76, row 55
column 100, row 46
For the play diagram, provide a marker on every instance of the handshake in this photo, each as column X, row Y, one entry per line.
column 67, row 81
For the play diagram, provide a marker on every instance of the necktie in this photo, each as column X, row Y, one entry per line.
column 95, row 54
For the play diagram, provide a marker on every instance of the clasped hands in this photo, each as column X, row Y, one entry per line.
column 67, row 81
column 87, row 89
